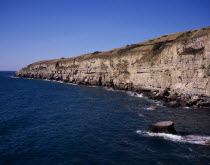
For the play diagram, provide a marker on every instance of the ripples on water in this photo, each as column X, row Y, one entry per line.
column 43, row 122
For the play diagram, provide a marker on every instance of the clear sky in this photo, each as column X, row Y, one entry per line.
column 34, row 30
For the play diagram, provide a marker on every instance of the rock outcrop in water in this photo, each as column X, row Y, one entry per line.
column 162, row 127
column 174, row 68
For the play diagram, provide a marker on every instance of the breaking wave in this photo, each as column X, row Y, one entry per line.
column 109, row 89
column 141, row 115
column 12, row 76
column 193, row 139
column 47, row 80
column 134, row 94
column 62, row 82
column 150, row 109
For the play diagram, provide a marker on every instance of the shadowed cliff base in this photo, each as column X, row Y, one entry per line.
column 174, row 68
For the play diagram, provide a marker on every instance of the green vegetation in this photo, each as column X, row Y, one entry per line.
column 185, row 35
column 128, row 48
column 96, row 52
column 159, row 46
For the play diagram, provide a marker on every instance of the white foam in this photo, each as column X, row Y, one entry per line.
column 150, row 109
column 46, row 80
column 134, row 94
column 193, row 139
column 71, row 84
column 141, row 115
column 109, row 89
column 54, row 81
column 130, row 93
column 139, row 95
column 13, row 77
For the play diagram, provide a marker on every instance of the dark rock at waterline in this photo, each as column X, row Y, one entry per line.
column 208, row 142
column 162, row 127
column 172, row 104
column 203, row 104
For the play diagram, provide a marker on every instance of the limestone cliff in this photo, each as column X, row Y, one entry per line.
column 174, row 67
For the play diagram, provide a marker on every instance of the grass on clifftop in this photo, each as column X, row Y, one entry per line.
column 150, row 47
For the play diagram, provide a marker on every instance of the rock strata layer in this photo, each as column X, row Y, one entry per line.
column 174, row 68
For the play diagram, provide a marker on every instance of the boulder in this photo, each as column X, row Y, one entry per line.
column 172, row 104
column 162, row 127
column 203, row 104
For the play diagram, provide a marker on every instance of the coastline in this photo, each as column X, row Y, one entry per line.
column 174, row 68
column 164, row 97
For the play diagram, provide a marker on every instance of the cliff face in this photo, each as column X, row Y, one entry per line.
column 174, row 66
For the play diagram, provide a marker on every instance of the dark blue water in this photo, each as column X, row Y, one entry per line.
column 48, row 123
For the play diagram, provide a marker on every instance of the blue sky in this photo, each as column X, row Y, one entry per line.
column 34, row 30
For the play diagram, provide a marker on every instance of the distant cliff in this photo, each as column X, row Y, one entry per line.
column 174, row 68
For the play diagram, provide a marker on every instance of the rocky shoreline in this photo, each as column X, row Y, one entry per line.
column 164, row 97
column 179, row 100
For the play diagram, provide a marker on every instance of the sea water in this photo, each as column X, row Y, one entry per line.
column 44, row 122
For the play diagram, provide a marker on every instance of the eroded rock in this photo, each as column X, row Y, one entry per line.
column 162, row 127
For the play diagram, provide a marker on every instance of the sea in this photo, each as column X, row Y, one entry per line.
column 53, row 123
